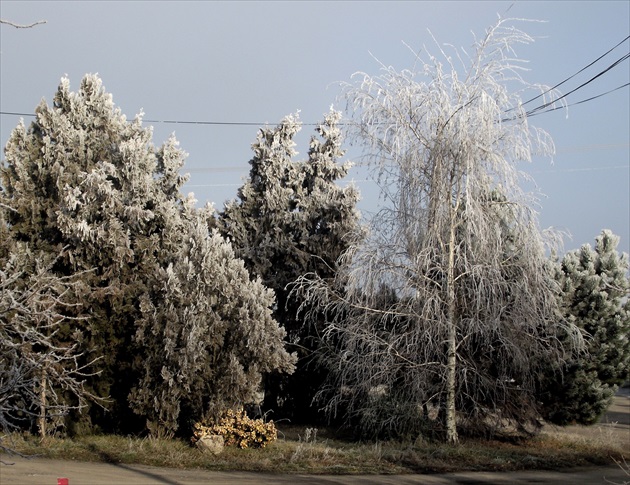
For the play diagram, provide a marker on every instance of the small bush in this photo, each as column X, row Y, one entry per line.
column 238, row 430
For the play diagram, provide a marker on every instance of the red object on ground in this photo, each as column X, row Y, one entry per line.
column 62, row 481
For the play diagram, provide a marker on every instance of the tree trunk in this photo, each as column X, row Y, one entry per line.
column 42, row 405
column 451, row 426
column 451, row 356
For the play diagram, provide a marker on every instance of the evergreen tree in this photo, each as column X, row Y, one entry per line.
column 36, row 374
column 85, row 183
column 291, row 218
column 84, row 179
column 595, row 294
column 260, row 224
column 206, row 336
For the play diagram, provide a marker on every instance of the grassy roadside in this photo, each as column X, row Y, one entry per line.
column 323, row 454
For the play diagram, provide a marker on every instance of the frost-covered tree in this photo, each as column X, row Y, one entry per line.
column 206, row 336
column 292, row 218
column 85, row 183
column 36, row 374
column 596, row 295
column 473, row 314
column 85, row 179
column 259, row 224
column 330, row 217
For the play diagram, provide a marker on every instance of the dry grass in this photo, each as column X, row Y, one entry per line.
column 313, row 452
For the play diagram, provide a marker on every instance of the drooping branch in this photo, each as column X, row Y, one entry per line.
column 452, row 276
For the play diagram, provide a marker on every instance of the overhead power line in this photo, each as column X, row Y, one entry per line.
column 183, row 122
column 550, row 103
column 535, row 111
column 240, row 167
column 22, row 26
column 549, row 106
column 573, row 75
column 529, row 115
column 359, row 181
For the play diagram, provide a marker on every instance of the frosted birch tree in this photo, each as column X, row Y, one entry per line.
column 472, row 309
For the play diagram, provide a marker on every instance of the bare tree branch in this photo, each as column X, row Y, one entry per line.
column 41, row 378
column 20, row 26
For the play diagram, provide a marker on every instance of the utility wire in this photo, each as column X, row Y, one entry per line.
column 217, row 123
column 369, row 180
column 244, row 168
column 533, row 112
column 578, row 102
column 572, row 76
column 541, row 109
column 538, row 110
column 183, row 122
column 546, row 105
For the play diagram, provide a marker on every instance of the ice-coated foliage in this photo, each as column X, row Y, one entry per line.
column 206, row 335
column 36, row 374
column 456, row 246
column 292, row 218
column 83, row 178
column 596, row 295
column 259, row 223
column 87, row 187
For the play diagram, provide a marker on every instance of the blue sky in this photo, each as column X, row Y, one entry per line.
column 255, row 62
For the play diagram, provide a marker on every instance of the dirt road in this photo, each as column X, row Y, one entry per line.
column 615, row 425
column 46, row 472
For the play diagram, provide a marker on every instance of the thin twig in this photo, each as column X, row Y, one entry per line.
column 21, row 26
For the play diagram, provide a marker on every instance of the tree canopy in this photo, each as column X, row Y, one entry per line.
column 472, row 312
column 595, row 295
column 87, row 188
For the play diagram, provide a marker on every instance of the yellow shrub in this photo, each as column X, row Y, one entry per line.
column 238, row 430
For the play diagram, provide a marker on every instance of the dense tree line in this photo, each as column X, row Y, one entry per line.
column 121, row 299
column 164, row 314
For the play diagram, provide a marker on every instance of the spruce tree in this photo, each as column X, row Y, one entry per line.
column 292, row 218
column 84, row 179
column 206, row 336
column 595, row 295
